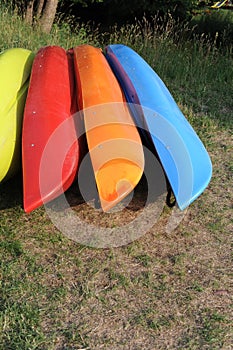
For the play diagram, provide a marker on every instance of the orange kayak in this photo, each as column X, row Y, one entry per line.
column 113, row 140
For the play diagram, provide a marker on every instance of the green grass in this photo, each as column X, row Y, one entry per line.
column 163, row 291
column 197, row 73
column 216, row 24
column 16, row 33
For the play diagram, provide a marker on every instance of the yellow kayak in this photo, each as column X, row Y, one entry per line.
column 15, row 68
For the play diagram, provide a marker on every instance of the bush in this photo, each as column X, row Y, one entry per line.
column 216, row 25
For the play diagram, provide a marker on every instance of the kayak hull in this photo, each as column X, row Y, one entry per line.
column 15, row 68
column 50, row 149
column 113, row 141
column 182, row 154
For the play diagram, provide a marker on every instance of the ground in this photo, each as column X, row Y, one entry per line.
column 168, row 289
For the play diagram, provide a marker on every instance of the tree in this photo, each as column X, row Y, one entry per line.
column 48, row 14
column 43, row 12
column 39, row 12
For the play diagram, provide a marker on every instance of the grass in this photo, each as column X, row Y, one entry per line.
column 163, row 291
column 16, row 33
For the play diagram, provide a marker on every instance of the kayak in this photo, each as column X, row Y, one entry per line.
column 113, row 141
column 15, row 69
column 182, row 154
column 50, row 148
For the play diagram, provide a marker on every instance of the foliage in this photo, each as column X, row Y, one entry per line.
column 134, row 8
column 83, row 2
column 218, row 25
column 23, row 3
column 128, row 10
column 175, row 7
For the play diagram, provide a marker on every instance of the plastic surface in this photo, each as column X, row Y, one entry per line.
column 15, row 69
column 183, row 156
column 113, row 140
column 219, row 4
column 50, row 162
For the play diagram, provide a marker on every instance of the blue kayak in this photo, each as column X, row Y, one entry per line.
column 182, row 154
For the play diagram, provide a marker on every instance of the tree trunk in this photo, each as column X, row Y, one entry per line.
column 29, row 12
column 39, row 8
column 48, row 15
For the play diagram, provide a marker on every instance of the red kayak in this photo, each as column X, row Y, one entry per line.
column 50, row 149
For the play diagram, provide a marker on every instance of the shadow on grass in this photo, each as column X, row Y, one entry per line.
column 11, row 193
